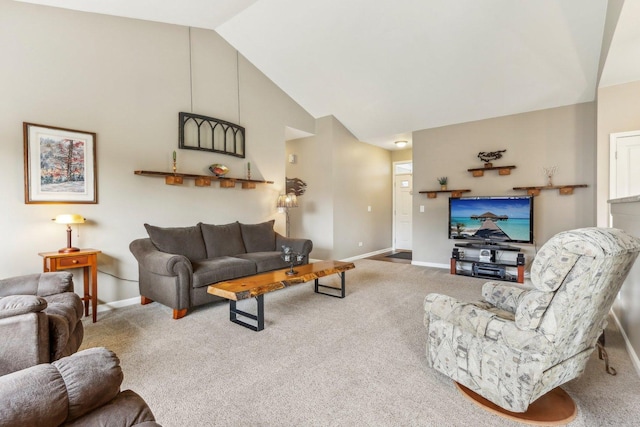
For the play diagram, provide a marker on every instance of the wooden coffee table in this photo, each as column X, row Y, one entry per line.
column 258, row 285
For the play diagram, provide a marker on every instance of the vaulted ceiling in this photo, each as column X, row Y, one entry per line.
column 387, row 68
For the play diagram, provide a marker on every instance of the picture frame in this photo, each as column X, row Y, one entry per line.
column 59, row 165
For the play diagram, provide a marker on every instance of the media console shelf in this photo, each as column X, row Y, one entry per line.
column 433, row 194
column 171, row 178
column 487, row 265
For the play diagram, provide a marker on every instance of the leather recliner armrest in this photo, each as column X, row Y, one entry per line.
column 15, row 305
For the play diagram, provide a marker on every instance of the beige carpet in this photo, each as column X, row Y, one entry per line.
column 323, row 361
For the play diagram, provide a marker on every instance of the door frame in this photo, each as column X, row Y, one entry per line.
column 613, row 170
column 393, row 201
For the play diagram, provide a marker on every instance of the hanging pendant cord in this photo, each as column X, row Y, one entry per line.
column 238, row 80
column 190, row 71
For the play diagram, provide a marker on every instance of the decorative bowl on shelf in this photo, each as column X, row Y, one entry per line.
column 218, row 169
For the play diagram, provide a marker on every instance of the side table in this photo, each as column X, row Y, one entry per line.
column 87, row 259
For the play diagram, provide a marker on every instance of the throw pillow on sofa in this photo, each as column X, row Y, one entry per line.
column 259, row 237
column 222, row 240
column 185, row 241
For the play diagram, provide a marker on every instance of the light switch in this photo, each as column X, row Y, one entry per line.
column 368, row 208
column 421, row 208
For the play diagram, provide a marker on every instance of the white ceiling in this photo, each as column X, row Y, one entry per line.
column 385, row 68
column 623, row 60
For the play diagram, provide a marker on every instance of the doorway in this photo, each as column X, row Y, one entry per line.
column 624, row 158
column 402, row 205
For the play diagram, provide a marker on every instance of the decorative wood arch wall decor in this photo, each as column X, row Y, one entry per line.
column 204, row 133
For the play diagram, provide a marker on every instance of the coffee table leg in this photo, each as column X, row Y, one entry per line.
column 342, row 287
column 259, row 317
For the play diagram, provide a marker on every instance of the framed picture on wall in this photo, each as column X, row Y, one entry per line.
column 59, row 165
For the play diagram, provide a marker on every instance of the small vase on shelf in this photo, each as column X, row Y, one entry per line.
column 443, row 183
column 549, row 172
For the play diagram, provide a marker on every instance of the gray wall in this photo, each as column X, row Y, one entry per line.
column 618, row 111
column 402, row 155
column 344, row 177
column 564, row 137
column 127, row 80
column 626, row 216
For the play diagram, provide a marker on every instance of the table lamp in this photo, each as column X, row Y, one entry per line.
column 69, row 219
column 286, row 201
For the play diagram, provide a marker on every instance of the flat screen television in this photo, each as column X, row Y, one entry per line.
column 495, row 219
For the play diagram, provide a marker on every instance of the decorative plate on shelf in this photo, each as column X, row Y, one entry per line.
column 218, row 169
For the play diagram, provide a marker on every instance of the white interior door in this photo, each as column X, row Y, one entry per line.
column 625, row 164
column 402, row 211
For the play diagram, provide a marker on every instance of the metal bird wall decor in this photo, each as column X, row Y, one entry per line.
column 488, row 156
column 295, row 186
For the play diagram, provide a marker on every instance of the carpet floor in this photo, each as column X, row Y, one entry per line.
column 322, row 361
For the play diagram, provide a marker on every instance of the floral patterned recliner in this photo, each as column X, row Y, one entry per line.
column 520, row 343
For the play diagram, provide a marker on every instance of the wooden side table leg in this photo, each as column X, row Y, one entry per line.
column 94, row 288
column 87, row 296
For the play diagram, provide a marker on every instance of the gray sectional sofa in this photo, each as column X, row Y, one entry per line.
column 177, row 264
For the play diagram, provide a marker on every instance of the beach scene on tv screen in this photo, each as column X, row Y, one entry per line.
column 490, row 219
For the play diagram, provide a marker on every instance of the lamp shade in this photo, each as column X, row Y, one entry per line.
column 287, row 201
column 69, row 219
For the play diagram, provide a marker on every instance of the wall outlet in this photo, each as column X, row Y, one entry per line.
column 359, row 243
column 421, row 208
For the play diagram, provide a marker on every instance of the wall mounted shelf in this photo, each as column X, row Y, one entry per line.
column 171, row 178
column 454, row 193
column 502, row 170
column 564, row 190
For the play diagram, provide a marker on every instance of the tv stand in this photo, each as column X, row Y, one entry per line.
column 488, row 245
column 486, row 264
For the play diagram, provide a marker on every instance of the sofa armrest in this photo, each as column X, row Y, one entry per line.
column 156, row 261
column 474, row 319
column 15, row 305
column 41, row 284
column 93, row 377
column 127, row 409
column 33, row 396
column 468, row 316
column 502, row 295
column 25, row 342
column 301, row 246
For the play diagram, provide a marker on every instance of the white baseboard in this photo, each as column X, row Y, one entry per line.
column 370, row 254
column 118, row 304
column 635, row 361
column 430, row 264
